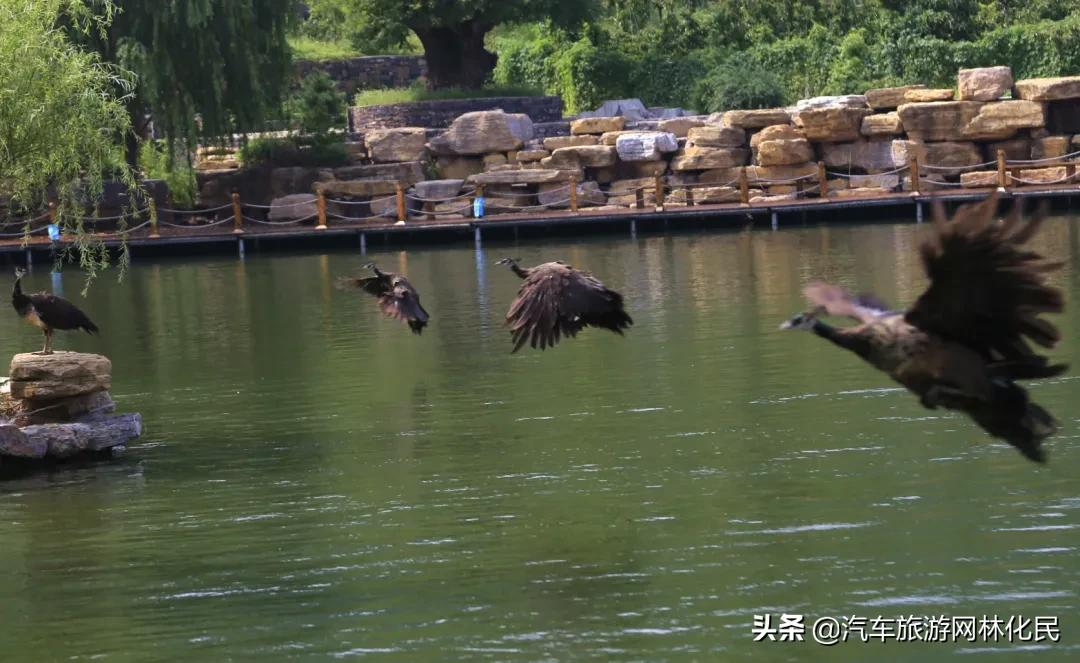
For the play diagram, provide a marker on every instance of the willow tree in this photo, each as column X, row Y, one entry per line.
column 204, row 67
column 61, row 118
column 452, row 32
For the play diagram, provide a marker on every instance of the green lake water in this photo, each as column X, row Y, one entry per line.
column 316, row 483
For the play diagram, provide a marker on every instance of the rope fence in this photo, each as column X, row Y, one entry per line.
column 404, row 205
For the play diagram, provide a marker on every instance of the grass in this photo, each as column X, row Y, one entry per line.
column 307, row 48
column 420, row 93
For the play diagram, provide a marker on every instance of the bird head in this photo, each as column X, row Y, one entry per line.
column 369, row 265
column 19, row 273
column 803, row 321
column 507, row 261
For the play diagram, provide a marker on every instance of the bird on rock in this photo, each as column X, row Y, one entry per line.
column 48, row 312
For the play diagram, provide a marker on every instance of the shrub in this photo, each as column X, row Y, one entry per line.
column 586, row 76
column 739, row 86
column 294, row 151
column 317, row 107
column 158, row 162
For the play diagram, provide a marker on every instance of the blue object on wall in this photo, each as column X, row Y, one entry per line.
column 478, row 207
column 54, row 232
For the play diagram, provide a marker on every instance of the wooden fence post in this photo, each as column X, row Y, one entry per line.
column 658, row 187
column 152, row 205
column 744, row 186
column 913, row 170
column 320, row 206
column 639, row 198
column 573, row 194
column 823, row 180
column 1003, row 176
column 238, row 214
column 401, row 214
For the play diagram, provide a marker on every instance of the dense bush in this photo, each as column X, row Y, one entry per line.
column 158, row 162
column 733, row 86
column 293, row 151
column 317, row 107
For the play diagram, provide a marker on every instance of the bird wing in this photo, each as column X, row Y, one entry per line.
column 987, row 291
column 373, row 285
column 59, row 313
column 556, row 300
column 839, row 302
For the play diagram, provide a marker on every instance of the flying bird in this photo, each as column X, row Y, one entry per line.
column 965, row 341
column 48, row 312
column 397, row 297
column 557, row 299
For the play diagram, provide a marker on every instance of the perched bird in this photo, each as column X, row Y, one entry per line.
column 964, row 343
column 558, row 299
column 397, row 297
column 48, row 312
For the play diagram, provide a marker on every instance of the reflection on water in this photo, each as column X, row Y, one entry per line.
column 316, row 481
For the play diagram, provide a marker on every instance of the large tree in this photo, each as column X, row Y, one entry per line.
column 225, row 63
column 60, row 117
column 452, row 31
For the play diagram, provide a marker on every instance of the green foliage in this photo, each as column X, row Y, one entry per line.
column 60, row 117
column 293, row 151
column 731, row 86
column 312, row 48
column 318, row 106
column 418, row 92
column 1046, row 48
column 225, row 62
column 586, row 75
column 158, row 162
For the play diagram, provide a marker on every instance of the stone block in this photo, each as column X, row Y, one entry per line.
column 58, row 375
column 395, row 145
column 882, row 124
column 1049, row 89
column 596, row 125
column 984, row 83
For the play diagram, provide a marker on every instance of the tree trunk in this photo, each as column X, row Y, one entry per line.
column 456, row 56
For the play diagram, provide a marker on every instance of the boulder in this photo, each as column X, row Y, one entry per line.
column 596, row 125
column 524, row 177
column 705, row 158
column 831, row 119
column 1051, row 175
column 984, row 83
column 46, row 378
column 297, row 179
column 765, row 198
column 1002, row 119
column 703, row 195
column 587, row 156
column 713, row 136
column 645, row 146
column 680, row 126
column 1048, row 89
column 622, row 187
column 395, row 145
column 358, row 188
column 979, row 179
column 1015, row 149
column 97, row 434
column 555, row 142
column 787, row 149
column 776, row 132
column 1050, row 147
column 922, row 95
column 725, row 176
column 862, row 156
column 15, row 443
column 634, row 169
column 458, row 168
column 293, row 208
column 438, row 189
column 862, row 192
column 884, row 182
column 612, row 137
column 942, row 154
column 753, row 119
column 804, row 170
column 939, row 120
column 882, row 124
column 526, row 156
column 888, row 98
column 483, row 132
column 409, row 172
column 493, row 161
column 556, row 195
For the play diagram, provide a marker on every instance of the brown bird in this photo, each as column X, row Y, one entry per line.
column 557, row 299
column 48, row 312
column 397, row 297
column 964, row 343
